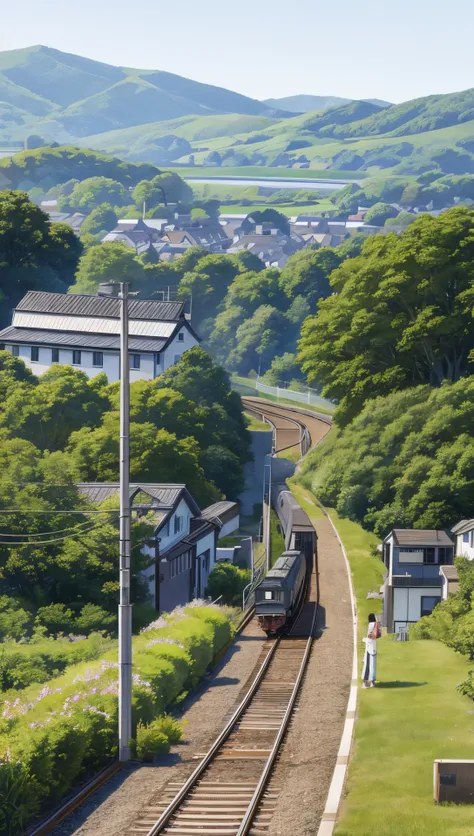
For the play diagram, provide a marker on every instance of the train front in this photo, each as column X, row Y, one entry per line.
column 270, row 606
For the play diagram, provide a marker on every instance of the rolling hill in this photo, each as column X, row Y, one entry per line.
column 165, row 119
column 305, row 104
column 58, row 93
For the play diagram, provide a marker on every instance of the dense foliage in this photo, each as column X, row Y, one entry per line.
column 401, row 314
column 63, row 428
column 34, row 254
column 407, row 460
column 228, row 582
column 54, row 735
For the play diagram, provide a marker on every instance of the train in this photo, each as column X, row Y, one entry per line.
column 278, row 596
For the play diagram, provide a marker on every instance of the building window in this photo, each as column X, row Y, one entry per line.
column 97, row 358
column 135, row 361
column 181, row 337
column 15, row 350
column 445, row 555
column 55, row 355
column 178, row 524
column 177, row 357
column 465, row 537
column 34, row 353
column 2, row 346
column 158, row 359
column 428, row 603
column 76, row 358
column 429, row 555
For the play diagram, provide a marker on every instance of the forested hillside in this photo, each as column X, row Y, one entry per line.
column 394, row 344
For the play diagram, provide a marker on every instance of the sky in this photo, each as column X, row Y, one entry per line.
column 267, row 48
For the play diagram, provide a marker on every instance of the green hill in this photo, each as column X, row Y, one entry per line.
column 307, row 104
column 88, row 97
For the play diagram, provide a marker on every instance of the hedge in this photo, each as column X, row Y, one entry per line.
column 23, row 664
column 52, row 736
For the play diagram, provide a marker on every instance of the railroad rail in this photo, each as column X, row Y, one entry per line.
column 227, row 794
column 289, row 431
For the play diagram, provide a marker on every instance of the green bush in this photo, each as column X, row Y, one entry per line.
column 228, row 581
column 57, row 618
column 58, row 733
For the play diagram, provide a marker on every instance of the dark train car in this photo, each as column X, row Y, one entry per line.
column 296, row 526
column 277, row 597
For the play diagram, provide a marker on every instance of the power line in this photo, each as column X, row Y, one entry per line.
column 49, row 533
column 37, row 511
column 45, row 542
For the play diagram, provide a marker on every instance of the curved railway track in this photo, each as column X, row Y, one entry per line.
column 227, row 794
column 292, row 427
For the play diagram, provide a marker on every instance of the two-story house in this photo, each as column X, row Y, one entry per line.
column 413, row 585
column 464, row 533
column 182, row 549
column 84, row 331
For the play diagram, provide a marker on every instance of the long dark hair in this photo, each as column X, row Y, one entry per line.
column 372, row 617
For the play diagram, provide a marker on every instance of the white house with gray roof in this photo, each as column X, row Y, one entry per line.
column 83, row 331
column 182, row 550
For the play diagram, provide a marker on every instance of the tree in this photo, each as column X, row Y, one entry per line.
column 270, row 216
column 101, row 219
column 379, row 213
column 35, row 141
column 91, row 192
column 307, row 274
column 213, row 158
column 283, row 369
column 164, row 188
column 199, row 215
column 258, row 339
column 34, row 254
column 250, row 290
column 207, row 284
column 111, row 261
column 228, row 581
column 401, row 314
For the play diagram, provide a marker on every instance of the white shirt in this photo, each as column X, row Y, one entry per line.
column 370, row 644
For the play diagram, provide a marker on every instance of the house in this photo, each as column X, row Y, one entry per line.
column 134, row 233
column 272, row 246
column 449, row 580
column 182, row 549
column 413, row 585
column 464, row 534
column 83, row 331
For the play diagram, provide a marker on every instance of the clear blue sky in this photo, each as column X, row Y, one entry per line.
column 371, row 48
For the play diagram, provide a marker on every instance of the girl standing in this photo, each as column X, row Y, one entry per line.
column 370, row 657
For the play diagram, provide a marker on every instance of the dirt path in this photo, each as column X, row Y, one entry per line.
column 309, row 754
column 112, row 809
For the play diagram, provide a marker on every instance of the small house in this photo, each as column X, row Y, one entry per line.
column 413, row 586
column 464, row 533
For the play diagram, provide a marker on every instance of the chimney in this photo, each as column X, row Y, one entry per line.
column 109, row 289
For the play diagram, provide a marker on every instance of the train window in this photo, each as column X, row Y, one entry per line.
column 268, row 596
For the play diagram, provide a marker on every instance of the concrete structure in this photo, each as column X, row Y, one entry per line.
column 413, row 586
column 182, row 550
column 261, row 446
column 83, row 331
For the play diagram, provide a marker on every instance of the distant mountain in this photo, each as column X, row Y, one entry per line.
column 67, row 96
column 307, row 104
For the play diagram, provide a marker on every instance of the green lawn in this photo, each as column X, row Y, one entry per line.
column 256, row 425
column 277, row 541
column 246, row 386
column 288, row 209
column 413, row 716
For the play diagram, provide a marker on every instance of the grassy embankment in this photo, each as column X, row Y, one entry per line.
column 413, row 716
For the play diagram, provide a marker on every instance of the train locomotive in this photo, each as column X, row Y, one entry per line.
column 278, row 596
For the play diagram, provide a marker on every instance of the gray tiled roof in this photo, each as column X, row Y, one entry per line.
column 226, row 509
column 36, row 336
column 463, row 526
column 166, row 495
column 79, row 304
column 421, row 537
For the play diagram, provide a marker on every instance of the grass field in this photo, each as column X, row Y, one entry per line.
column 288, row 209
column 246, row 386
column 277, row 542
column 256, row 425
column 413, row 716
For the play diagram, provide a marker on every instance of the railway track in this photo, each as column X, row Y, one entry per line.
column 292, row 427
column 228, row 792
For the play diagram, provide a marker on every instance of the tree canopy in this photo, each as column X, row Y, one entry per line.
column 401, row 314
column 34, row 253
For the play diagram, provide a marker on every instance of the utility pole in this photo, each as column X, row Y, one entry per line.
column 125, row 607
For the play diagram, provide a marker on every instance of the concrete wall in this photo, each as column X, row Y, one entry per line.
column 465, row 545
column 177, row 348
column 253, row 491
column 407, row 602
column 111, row 363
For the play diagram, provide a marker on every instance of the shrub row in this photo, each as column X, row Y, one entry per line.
column 23, row 664
column 54, row 735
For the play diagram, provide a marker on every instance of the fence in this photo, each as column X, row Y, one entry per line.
column 310, row 396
